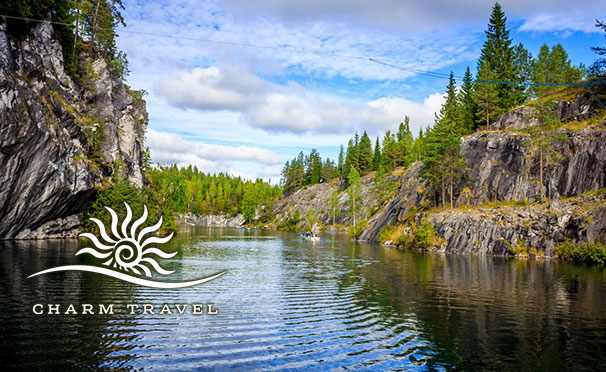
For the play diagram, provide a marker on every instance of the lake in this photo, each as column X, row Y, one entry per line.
column 285, row 304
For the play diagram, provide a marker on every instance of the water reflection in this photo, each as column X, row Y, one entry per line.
column 288, row 304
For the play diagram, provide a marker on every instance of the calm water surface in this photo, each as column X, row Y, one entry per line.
column 287, row 304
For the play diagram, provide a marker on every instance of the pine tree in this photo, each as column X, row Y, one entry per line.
column 365, row 154
column 313, row 168
column 390, row 151
column 467, row 104
column 486, row 97
column 554, row 67
column 350, row 159
column 523, row 64
column 450, row 112
column 376, row 158
column 443, row 161
column 497, row 60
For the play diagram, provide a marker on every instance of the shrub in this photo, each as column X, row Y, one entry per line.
column 391, row 233
column 421, row 235
column 593, row 253
column 425, row 235
column 519, row 249
column 354, row 232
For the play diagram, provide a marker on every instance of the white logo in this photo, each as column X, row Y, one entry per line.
column 128, row 253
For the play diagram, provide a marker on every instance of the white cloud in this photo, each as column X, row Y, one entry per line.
column 169, row 148
column 245, row 98
column 211, row 89
column 571, row 21
column 290, row 107
column 321, row 37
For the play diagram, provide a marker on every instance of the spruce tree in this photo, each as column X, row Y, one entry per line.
column 365, row 154
column 486, row 97
column 467, row 104
column 351, row 158
column 554, row 66
column 390, row 151
column 340, row 161
column 443, row 161
column 523, row 63
column 376, row 158
column 497, row 60
column 450, row 111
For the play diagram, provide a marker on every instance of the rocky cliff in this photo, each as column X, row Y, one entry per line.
column 499, row 208
column 315, row 201
column 60, row 137
column 498, row 197
column 211, row 220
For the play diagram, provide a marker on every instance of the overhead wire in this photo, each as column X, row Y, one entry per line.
column 330, row 54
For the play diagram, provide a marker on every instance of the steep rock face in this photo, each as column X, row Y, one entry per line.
column 411, row 193
column 48, row 129
column 537, row 227
column 505, row 166
column 211, row 220
column 316, row 198
column 581, row 108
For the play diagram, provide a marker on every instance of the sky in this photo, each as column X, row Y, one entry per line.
column 242, row 86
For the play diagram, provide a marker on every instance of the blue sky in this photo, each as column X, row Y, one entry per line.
column 245, row 110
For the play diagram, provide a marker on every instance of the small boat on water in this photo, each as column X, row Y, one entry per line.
column 309, row 236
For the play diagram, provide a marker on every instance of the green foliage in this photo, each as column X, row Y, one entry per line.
column 554, row 67
column 351, row 157
column 119, row 65
column 60, row 12
column 119, row 191
column 86, row 76
column 593, row 253
column 365, row 155
column 543, row 137
column 517, row 249
column 424, row 236
column 341, row 161
column 93, row 129
column 187, row 189
column 442, row 159
column 306, row 170
column 486, row 96
column 78, row 25
column 421, row 235
column 356, row 230
column 377, row 157
column 467, row 105
column 391, row 151
column 383, row 186
column 310, row 218
column 291, row 222
column 496, row 62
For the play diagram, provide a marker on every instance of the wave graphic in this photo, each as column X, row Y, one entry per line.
column 128, row 278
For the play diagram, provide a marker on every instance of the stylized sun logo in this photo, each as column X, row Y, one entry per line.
column 128, row 251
